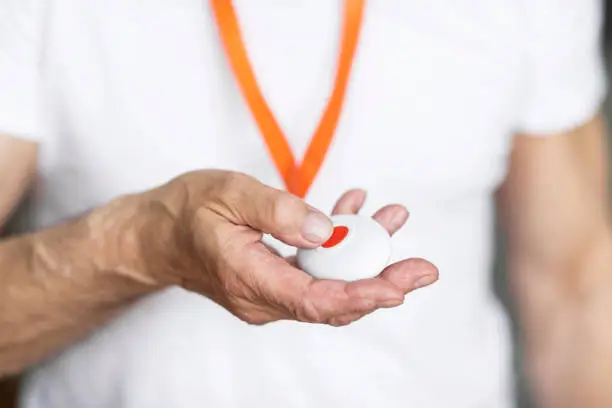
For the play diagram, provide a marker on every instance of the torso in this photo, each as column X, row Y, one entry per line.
column 142, row 92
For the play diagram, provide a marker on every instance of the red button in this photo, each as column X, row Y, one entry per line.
column 340, row 232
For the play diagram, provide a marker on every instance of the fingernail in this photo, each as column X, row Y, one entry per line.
column 317, row 228
column 424, row 281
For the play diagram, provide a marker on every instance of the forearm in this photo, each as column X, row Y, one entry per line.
column 567, row 326
column 57, row 284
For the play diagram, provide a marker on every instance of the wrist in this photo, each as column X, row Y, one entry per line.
column 118, row 233
column 162, row 241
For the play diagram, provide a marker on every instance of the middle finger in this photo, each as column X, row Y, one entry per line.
column 392, row 217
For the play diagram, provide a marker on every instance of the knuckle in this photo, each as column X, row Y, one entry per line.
column 341, row 321
column 193, row 187
column 230, row 194
column 251, row 317
column 229, row 187
column 346, row 319
column 235, row 180
column 366, row 307
column 307, row 312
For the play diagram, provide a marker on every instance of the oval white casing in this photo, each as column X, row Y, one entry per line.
column 362, row 254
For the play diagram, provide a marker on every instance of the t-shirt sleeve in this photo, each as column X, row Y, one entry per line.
column 565, row 82
column 20, row 60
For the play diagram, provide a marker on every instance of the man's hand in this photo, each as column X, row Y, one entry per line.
column 202, row 231
column 205, row 234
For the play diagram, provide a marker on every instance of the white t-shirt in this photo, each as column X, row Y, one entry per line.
column 124, row 95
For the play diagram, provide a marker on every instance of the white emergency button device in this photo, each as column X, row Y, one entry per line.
column 359, row 248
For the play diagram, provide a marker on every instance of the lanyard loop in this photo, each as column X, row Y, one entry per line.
column 298, row 177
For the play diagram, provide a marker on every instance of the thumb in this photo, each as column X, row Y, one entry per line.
column 280, row 214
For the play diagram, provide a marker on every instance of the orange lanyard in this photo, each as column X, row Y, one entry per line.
column 297, row 177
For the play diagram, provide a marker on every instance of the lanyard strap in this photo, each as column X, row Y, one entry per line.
column 297, row 177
